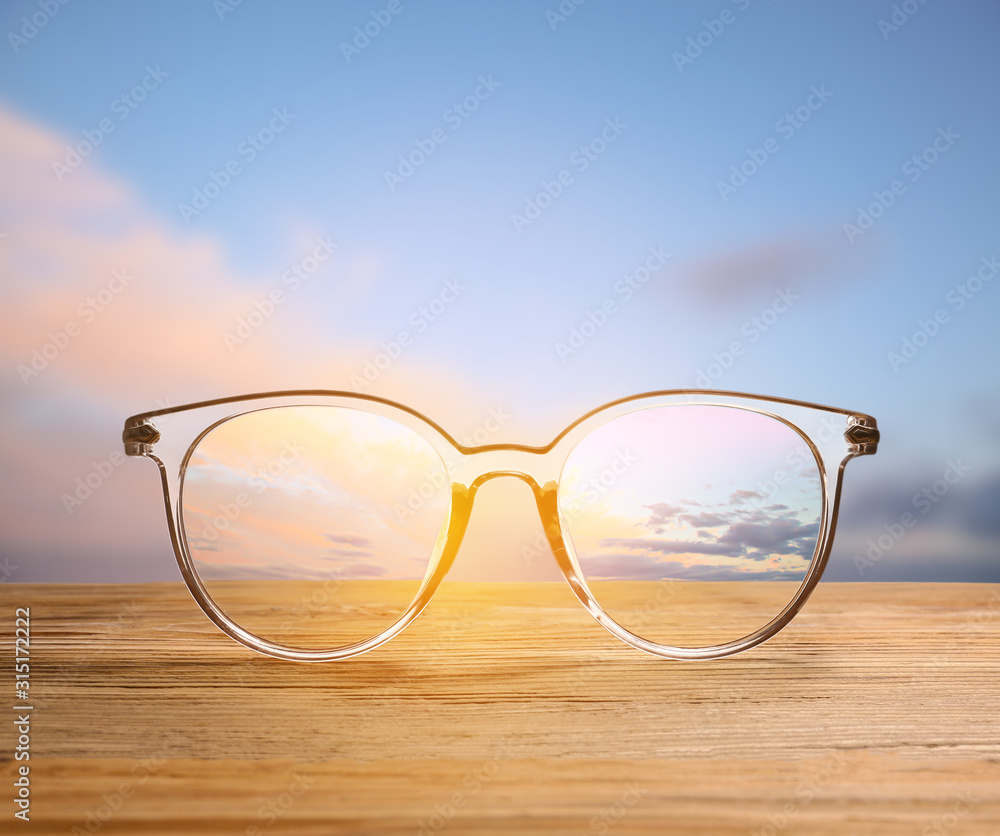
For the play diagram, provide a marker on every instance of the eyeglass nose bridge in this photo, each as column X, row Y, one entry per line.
column 537, row 467
column 534, row 465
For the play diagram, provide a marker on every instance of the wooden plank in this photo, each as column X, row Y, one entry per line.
column 848, row 792
column 875, row 711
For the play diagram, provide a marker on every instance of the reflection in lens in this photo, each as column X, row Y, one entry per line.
column 693, row 525
column 312, row 526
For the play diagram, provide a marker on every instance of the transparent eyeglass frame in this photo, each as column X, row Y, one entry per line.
column 834, row 436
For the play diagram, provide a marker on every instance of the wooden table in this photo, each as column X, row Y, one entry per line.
column 505, row 708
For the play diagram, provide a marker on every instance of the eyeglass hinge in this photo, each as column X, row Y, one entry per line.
column 862, row 434
column 139, row 440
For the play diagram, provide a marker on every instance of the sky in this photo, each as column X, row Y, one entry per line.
column 502, row 215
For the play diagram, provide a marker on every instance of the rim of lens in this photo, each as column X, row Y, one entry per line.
column 232, row 624
column 777, row 616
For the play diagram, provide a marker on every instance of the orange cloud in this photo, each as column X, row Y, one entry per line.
column 107, row 310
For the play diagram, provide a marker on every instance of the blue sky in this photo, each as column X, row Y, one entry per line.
column 544, row 91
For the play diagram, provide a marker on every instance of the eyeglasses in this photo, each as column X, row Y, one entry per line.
column 315, row 525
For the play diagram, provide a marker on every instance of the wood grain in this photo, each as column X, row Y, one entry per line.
column 506, row 708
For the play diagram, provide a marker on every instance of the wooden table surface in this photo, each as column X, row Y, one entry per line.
column 505, row 708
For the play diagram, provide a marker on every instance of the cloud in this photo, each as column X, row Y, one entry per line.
column 274, row 572
column 642, row 567
column 349, row 539
column 955, row 539
column 754, row 533
column 780, row 535
column 162, row 333
column 674, row 546
column 663, row 513
column 800, row 261
column 27, row 152
column 362, row 570
column 706, row 520
column 340, row 551
column 731, row 276
column 120, row 311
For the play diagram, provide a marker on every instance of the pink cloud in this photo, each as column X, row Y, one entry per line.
column 153, row 335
